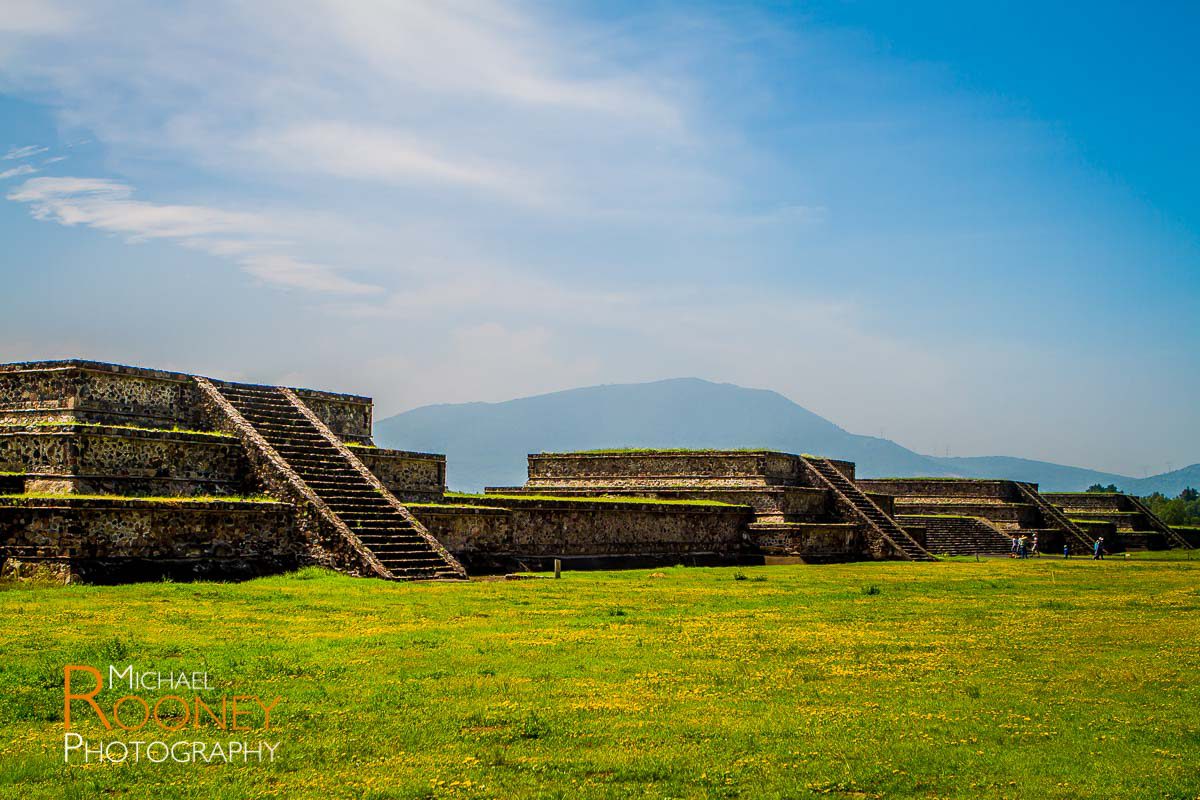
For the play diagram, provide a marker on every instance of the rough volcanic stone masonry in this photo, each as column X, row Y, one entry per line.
column 1129, row 518
column 805, row 507
column 113, row 472
column 118, row 473
column 1010, row 508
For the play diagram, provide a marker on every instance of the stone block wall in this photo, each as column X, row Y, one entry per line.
column 412, row 477
column 792, row 502
column 86, row 391
column 113, row 394
column 810, row 542
column 1097, row 528
column 1091, row 501
column 86, row 459
column 596, row 531
column 1118, row 509
column 944, row 487
column 667, row 467
column 116, row 539
column 347, row 415
column 475, row 535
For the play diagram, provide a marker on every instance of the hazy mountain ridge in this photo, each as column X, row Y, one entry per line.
column 486, row 443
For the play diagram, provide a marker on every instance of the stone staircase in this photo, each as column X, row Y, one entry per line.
column 882, row 530
column 1056, row 517
column 960, row 536
column 345, row 488
column 1157, row 524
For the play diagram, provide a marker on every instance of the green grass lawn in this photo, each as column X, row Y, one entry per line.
column 1040, row 679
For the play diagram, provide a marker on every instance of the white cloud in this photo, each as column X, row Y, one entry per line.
column 283, row 270
column 27, row 151
column 108, row 206
column 377, row 154
column 16, row 172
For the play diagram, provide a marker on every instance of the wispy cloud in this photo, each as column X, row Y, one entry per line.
column 109, row 206
column 28, row 151
column 16, row 172
column 379, row 154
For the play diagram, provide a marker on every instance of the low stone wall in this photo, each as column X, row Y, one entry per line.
column 1125, row 521
column 86, row 459
column 87, row 391
column 1092, row 501
column 347, row 415
column 814, row 543
column 412, row 477
column 943, row 487
column 114, row 394
column 793, row 502
column 594, row 531
column 703, row 466
column 480, row 537
column 1002, row 515
column 120, row 540
column 1096, row 528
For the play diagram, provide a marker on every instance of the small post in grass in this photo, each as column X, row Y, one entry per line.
column 557, row 569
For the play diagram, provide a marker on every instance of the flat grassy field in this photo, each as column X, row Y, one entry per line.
column 1039, row 679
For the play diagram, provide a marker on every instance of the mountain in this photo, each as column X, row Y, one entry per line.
column 1168, row 483
column 486, row 443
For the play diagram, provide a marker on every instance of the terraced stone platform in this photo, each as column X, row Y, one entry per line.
column 119, row 438
column 1132, row 520
column 947, row 534
column 1010, row 507
column 804, row 507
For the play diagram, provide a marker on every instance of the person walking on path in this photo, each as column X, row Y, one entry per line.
column 1033, row 549
column 1021, row 551
column 1066, row 550
column 1098, row 550
column 1013, row 552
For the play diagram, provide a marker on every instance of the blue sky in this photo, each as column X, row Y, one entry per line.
column 970, row 228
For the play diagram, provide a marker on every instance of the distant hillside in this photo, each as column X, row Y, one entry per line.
column 486, row 443
column 1168, row 483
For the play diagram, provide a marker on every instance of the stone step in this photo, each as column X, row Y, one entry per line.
column 379, row 527
column 296, row 424
column 322, row 483
column 376, row 524
column 364, row 494
column 311, row 456
column 407, row 556
column 267, row 392
column 410, row 565
column 349, row 491
column 392, row 538
column 311, row 459
column 271, row 430
column 312, row 447
column 361, row 513
column 254, row 409
column 351, row 510
column 363, row 520
column 346, row 493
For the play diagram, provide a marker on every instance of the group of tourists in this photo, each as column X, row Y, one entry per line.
column 1023, row 547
